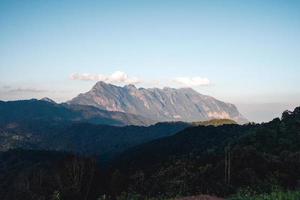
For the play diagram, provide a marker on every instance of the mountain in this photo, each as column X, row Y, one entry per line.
column 167, row 104
column 47, row 110
column 46, row 125
column 40, row 124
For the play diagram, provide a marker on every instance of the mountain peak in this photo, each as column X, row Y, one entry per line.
column 101, row 84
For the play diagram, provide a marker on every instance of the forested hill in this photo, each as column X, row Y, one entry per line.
column 194, row 161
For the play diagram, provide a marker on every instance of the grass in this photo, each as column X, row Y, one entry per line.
column 276, row 195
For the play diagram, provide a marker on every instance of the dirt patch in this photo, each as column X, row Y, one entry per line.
column 200, row 197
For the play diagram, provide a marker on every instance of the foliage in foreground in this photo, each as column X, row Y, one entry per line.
column 275, row 195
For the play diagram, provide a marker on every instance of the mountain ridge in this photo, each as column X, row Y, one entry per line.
column 167, row 104
column 49, row 110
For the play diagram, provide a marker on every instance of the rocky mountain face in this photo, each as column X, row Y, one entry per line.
column 167, row 104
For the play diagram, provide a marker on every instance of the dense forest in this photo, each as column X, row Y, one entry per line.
column 217, row 160
column 224, row 161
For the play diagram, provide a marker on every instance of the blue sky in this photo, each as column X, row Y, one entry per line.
column 248, row 50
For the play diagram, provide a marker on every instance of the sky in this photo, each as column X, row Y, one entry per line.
column 242, row 52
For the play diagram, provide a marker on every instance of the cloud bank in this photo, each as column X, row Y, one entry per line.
column 116, row 77
column 192, row 81
column 9, row 89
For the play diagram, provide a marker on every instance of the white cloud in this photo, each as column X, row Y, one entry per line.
column 192, row 81
column 116, row 77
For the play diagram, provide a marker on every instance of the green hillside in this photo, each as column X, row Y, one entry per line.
column 214, row 122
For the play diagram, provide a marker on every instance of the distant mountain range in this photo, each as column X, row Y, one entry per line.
column 47, row 110
column 44, row 124
column 167, row 104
